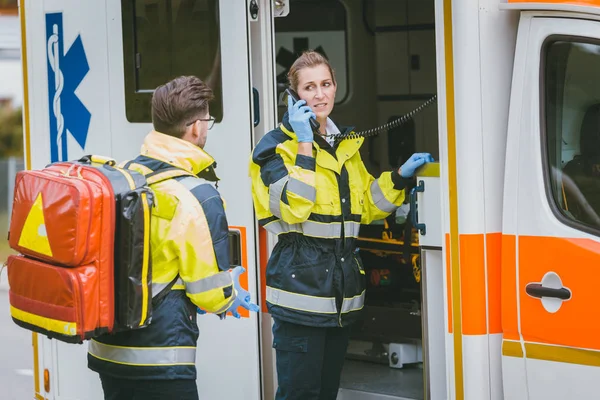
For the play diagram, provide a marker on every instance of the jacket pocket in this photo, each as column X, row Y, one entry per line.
column 293, row 366
column 305, row 256
column 314, row 278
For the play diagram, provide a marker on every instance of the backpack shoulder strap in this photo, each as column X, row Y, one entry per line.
column 165, row 174
column 153, row 177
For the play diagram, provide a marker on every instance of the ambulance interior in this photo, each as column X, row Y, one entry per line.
column 572, row 120
column 383, row 52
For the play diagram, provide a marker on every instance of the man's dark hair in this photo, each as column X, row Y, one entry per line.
column 178, row 102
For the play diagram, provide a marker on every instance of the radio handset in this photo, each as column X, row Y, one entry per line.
column 313, row 122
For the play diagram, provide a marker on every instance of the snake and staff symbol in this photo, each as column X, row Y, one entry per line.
column 54, row 60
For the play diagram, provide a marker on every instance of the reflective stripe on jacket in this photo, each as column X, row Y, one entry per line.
column 316, row 205
column 190, row 256
column 165, row 349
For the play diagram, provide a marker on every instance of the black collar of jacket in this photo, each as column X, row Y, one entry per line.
column 324, row 144
column 157, row 166
column 209, row 173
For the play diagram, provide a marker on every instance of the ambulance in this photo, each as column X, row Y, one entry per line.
column 488, row 289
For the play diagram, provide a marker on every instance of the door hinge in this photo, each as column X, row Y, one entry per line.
column 281, row 8
column 413, row 207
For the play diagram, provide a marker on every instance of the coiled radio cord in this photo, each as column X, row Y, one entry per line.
column 390, row 125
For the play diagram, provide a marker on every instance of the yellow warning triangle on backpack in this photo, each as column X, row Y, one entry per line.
column 34, row 235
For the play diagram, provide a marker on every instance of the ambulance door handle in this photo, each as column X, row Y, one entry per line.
column 539, row 291
column 256, row 100
column 235, row 247
column 413, row 207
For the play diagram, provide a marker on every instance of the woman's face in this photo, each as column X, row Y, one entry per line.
column 315, row 85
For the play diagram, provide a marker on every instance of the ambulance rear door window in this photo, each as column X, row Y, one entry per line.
column 166, row 39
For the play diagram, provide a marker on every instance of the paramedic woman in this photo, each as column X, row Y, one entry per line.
column 314, row 193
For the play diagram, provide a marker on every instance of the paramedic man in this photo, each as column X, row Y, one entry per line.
column 314, row 194
column 190, row 255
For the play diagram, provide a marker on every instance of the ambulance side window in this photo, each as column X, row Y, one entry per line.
column 571, row 98
column 166, row 39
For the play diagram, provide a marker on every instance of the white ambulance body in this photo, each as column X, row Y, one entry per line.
column 506, row 283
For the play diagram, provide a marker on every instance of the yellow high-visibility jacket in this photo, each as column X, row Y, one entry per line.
column 190, row 264
column 316, row 205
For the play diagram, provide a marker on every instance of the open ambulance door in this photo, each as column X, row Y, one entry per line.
column 228, row 360
column 212, row 38
column 426, row 212
column 551, row 223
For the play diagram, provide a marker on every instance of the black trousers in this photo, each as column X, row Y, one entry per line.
column 130, row 389
column 309, row 360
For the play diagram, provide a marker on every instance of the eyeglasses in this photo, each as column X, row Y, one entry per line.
column 210, row 120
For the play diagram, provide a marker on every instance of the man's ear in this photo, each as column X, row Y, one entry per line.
column 188, row 134
column 194, row 131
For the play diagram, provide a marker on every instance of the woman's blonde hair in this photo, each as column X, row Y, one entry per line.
column 308, row 59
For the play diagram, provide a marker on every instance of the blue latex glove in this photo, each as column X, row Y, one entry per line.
column 200, row 311
column 299, row 114
column 407, row 170
column 242, row 298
